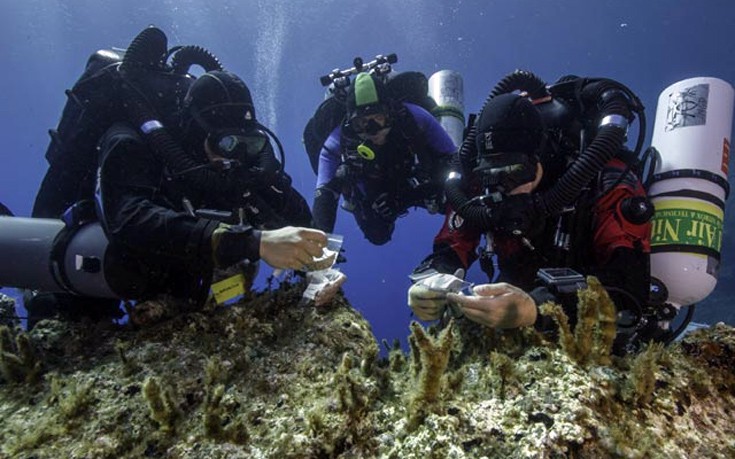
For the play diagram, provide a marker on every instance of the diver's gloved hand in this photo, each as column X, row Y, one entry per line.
column 424, row 193
column 434, row 203
column 516, row 215
column 428, row 296
column 386, row 206
column 341, row 256
column 345, row 173
column 234, row 243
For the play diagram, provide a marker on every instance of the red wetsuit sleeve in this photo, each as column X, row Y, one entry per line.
column 457, row 235
column 611, row 229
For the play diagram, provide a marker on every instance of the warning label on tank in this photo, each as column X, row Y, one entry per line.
column 687, row 107
column 725, row 156
column 680, row 222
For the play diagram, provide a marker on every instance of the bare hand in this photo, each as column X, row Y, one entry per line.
column 497, row 306
column 291, row 247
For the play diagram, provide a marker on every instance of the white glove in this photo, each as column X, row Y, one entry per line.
column 428, row 296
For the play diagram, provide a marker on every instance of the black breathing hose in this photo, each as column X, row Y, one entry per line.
column 520, row 80
column 170, row 151
column 601, row 90
column 148, row 52
column 608, row 141
column 687, row 320
column 278, row 166
column 602, row 149
column 186, row 56
column 473, row 211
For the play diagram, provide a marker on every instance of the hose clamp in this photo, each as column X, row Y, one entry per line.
column 618, row 121
column 454, row 175
column 150, row 126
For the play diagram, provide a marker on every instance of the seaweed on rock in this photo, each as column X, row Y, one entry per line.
column 269, row 378
column 18, row 360
column 161, row 402
column 432, row 360
column 592, row 340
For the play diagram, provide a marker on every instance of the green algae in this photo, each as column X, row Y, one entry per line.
column 162, row 404
column 266, row 378
column 18, row 360
column 591, row 341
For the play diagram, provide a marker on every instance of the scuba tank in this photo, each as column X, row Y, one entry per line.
column 447, row 89
column 67, row 255
column 689, row 187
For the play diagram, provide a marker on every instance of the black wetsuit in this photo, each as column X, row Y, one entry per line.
column 148, row 224
column 157, row 245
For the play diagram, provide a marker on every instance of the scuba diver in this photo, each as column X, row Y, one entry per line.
column 187, row 182
column 385, row 157
column 545, row 177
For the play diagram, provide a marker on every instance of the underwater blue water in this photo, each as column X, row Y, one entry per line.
column 281, row 47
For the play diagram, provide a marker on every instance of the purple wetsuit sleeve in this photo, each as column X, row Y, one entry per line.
column 329, row 158
column 437, row 139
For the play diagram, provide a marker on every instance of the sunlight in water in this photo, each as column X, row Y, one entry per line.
column 268, row 57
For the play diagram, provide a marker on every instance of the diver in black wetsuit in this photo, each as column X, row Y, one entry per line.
column 187, row 182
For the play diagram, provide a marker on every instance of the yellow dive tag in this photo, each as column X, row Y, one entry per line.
column 365, row 152
column 229, row 288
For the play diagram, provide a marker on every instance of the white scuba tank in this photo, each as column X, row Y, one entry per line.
column 692, row 134
column 447, row 89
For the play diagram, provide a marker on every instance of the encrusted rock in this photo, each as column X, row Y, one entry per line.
column 266, row 378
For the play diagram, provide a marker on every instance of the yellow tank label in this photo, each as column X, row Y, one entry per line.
column 687, row 222
column 229, row 288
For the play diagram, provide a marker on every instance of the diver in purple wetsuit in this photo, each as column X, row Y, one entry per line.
column 386, row 157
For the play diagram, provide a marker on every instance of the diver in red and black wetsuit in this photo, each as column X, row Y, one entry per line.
column 550, row 214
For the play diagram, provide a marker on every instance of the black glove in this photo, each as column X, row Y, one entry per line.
column 386, row 206
column 516, row 215
column 423, row 193
column 232, row 244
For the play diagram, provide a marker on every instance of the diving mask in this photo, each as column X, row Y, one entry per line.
column 370, row 124
column 238, row 144
column 505, row 171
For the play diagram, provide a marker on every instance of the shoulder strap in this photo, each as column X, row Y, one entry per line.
column 327, row 117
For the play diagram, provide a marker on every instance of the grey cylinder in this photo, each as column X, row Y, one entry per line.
column 84, row 262
column 35, row 254
column 447, row 89
column 26, row 245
